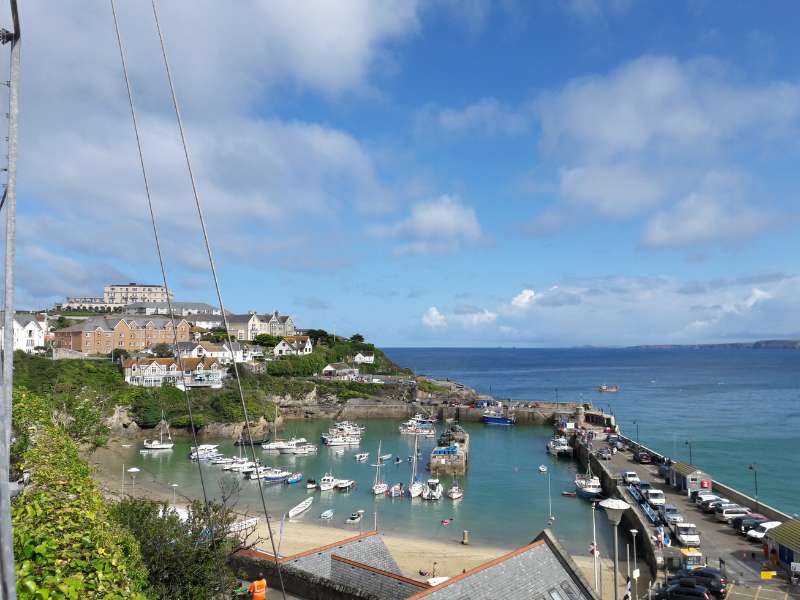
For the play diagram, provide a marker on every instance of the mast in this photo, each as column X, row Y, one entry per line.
column 414, row 462
column 378, row 464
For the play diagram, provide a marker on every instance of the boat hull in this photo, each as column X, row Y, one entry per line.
column 587, row 494
column 489, row 420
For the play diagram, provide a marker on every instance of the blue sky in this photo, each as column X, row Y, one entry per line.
column 430, row 173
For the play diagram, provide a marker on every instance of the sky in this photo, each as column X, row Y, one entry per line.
column 426, row 173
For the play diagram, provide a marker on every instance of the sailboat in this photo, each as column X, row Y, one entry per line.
column 455, row 491
column 414, row 487
column 379, row 486
column 587, row 485
column 160, row 444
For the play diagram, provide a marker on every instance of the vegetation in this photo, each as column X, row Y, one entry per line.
column 162, row 350
column 62, row 323
column 66, row 546
column 267, row 340
column 432, row 388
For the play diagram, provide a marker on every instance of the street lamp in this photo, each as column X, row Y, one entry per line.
column 133, row 471
column 754, row 469
column 634, row 532
column 614, row 508
column 173, row 486
column 691, row 462
column 595, row 552
column 637, row 430
column 543, row 469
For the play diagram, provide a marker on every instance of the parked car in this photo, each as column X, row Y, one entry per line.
column 642, row 457
column 727, row 513
column 630, row 477
column 757, row 533
column 655, row 497
column 699, row 497
column 604, row 454
column 683, row 589
column 710, row 505
column 708, row 577
column 745, row 523
column 669, row 514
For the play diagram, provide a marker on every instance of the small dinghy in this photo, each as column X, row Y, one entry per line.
column 294, row 478
column 568, row 494
column 362, row 456
column 311, row 484
column 327, row 515
column 542, row 469
column 302, row 507
column 355, row 517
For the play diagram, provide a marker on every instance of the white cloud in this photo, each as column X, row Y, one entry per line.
column 615, row 191
column 439, row 226
column 524, row 299
column 591, row 9
column 474, row 318
column 434, row 319
column 487, row 116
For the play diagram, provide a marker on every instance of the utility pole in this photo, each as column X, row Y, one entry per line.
column 8, row 578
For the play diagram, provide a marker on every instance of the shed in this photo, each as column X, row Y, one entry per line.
column 688, row 478
column 785, row 541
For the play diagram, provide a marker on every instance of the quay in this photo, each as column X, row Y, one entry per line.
column 451, row 453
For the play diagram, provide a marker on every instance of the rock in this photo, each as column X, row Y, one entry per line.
column 121, row 423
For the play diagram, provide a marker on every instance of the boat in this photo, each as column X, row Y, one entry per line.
column 287, row 447
column 587, row 485
column 339, row 451
column 559, row 446
column 415, row 427
column 398, row 460
column 327, row 515
column 327, row 482
column 493, row 416
column 542, row 469
column 608, row 389
column 294, row 478
column 422, row 420
column 269, row 474
column 243, row 442
column 432, row 490
column 455, row 492
column 380, row 486
column 383, row 457
column 311, row 484
column 232, row 463
column 568, row 494
column 274, row 445
column 396, row 490
column 414, row 486
column 341, row 440
column 302, row 507
column 160, row 444
column 362, row 456
column 355, row 517
column 204, row 452
column 345, row 485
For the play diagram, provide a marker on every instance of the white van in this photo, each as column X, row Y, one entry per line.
column 630, row 477
column 686, row 534
column 725, row 514
column 655, row 497
column 759, row 532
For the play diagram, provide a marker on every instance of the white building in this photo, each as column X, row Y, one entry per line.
column 293, row 345
column 29, row 332
column 236, row 352
column 340, row 371
column 121, row 294
column 364, row 358
column 155, row 372
column 181, row 309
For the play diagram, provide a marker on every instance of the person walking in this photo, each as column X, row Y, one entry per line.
column 258, row 588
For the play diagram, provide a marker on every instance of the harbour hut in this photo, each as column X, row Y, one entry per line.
column 783, row 544
column 688, row 478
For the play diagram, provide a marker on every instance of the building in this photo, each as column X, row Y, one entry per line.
column 181, row 309
column 155, row 372
column 688, row 478
column 244, row 327
column 248, row 326
column 783, row 543
column 364, row 358
column 293, row 345
column 340, row 371
column 30, row 331
column 237, row 352
column 277, row 325
column 84, row 303
column 121, row 294
column 101, row 335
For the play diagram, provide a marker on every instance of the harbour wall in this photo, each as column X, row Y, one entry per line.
column 535, row 413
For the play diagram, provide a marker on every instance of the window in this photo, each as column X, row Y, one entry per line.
column 554, row 595
column 569, row 591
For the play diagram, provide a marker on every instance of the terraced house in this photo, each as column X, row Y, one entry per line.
column 100, row 335
column 248, row 326
column 155, row 372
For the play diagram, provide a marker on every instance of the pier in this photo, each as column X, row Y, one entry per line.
column 451, row 454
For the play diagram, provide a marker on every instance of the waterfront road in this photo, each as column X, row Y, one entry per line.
column 742, row 559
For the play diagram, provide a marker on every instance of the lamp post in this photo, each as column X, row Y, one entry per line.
column 754, row 469
column 133, row 471
column 634, row 532
column 614, row 509
column 595, row 552
column 174, row 492
column 544, row 470
column 691, row 462
column 637, row 430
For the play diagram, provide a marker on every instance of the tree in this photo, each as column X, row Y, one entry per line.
column 357, row 337
column 267, row 340
column 318, row 335
column 162, row 350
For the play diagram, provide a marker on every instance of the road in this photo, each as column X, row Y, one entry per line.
column 743, row 559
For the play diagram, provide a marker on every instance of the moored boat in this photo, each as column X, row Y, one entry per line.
column 608, row 389
column 356, row 516
column 311, row 484
column 327, row 515
column 294, row 478
column 327, row 482
column 587, row 485
column 414, row 487
column 396, row 490
column 559, row 446
column 380, row 486
column 497, row 417
column 302, row 507
column 160, row 444
column 432, row 490
column 362, row 456
column 455, row 492
column 345, row 485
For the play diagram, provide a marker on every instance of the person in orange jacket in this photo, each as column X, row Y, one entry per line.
column 258, row 588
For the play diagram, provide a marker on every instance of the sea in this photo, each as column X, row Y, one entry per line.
column 737, row 408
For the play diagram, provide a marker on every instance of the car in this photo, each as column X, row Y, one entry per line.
column 727, row 514
column 699, row 497
column 655, row 497
column 685, row 588
column 757, row 533
column 642, row 457
column 669, row 514
column 745, row 523
column 630, row 477
column 686, row 534
column 708, row 577
column 604, row 454
column 663, row 470
column 711, row 504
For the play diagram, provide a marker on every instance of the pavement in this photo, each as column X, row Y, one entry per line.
column 743, row 559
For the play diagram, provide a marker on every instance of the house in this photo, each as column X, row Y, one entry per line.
column 101, row 335
column 340, row 371
column 293, row 345
column 181, row 309
column 226, row 354
column 277, row 325
column 244, row 327
column 29, row 331
column 364, row 358
column 189, row 372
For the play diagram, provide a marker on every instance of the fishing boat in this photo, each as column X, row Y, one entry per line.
column 455, row 492
column 294, row 478
column 327, row 483
column 302, row 507
column 380, row 486
column 587, row 485
column 396, row 490
column 559, row 446
column 362, row 456
column 493, row 416
column 432, row 490
column 311, row 484
column 327, row 515
column 608, row 389
column 160, row 444
column 345, row 485
column 287, row 447
column 355, row 517
column 414, row 486
column 414, row 427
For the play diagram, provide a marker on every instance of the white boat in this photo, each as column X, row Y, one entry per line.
column 341, row 440
column 362, row 456
column 274, row 445
column 204, row 452
column 432, row 490
column 414, row 427
column 160, row 444
column 302, row 507
column 327, row 515
column 269, row 474
column 383, row 457
column 232, row 463
column 559, row 446
column 455, row 492
column 587, row 485
column 355, row 517
column 345, row 485
column 311, row 484
column 291, row 445
column 396, row 490
column 380, row 486
column 542, row 469
column 414, row 487
column 238, row 526
column 327, row 482
column 244, row 467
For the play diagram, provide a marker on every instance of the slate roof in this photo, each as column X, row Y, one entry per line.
column 109, row 323
column 367, row 549
column 22, row 319
column 189, row 364
column 787, row 534
column 527, row 573
column 684, row 469
column 379, row 583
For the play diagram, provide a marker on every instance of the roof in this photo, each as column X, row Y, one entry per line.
column 188, row 363
column 787, row 534
column 684, row 468
column 376, row 582
column 528, row 572
column 363, row 353
column 133, row 283
column 274, row 315
column 367, row 549
column 22, row 319
column 108, row 323
column 339, row 366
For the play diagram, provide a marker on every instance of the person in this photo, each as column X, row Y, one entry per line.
column 258, row 588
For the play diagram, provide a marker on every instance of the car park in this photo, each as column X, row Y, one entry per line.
column 630, row 477
column 725, row 514
column 683, row 589
column 757, row 533
column 712, row 579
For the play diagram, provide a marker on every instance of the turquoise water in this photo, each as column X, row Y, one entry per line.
column 505, row 502
column 736, row 407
